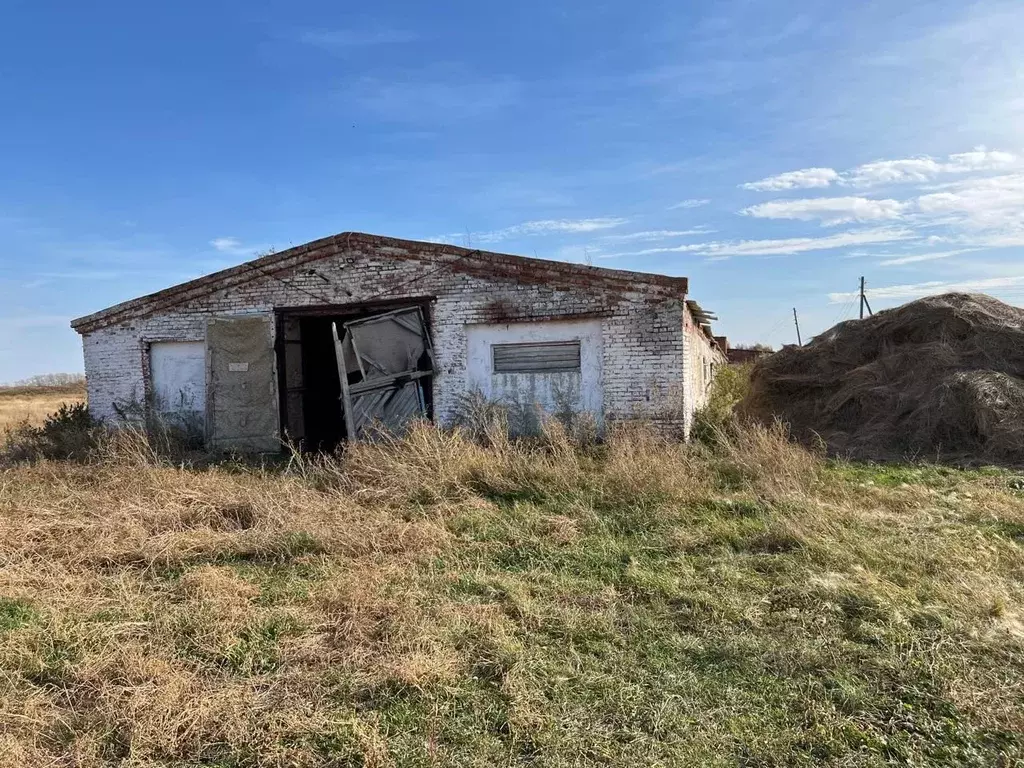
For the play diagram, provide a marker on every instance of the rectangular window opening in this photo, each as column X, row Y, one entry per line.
column 541, row 357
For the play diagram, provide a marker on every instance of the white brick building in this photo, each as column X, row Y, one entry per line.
column 252, row 353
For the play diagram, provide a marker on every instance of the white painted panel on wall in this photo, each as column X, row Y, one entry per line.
column 178, row 370
column 579, row 390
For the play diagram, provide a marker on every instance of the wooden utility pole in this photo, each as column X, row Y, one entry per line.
column 864, row 300
column 796, row 322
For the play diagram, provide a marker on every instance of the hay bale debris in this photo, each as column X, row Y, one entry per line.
column 939, row 378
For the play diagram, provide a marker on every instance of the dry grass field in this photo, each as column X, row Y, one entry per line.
column 33, row 404
column 440, row 601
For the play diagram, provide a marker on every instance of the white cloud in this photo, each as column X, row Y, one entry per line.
column 986, row 211
column 925, row 168
column 980, row 160
column 562, row 225
column 806, row 178
column 803, row 244
column 918, row 257
column 829, row 210
column 230, row 245
column 581, row 254
column 235, row 247
column 691, row 203
column 530, row 228
column 658, row 234
column 980, row 204
column 916, row 290
column 1005, row 240
column 782, row 247
column 919, row 169
column 692, row 248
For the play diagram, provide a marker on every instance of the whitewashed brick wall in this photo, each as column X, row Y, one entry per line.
column 645, row 375
column 703, row 360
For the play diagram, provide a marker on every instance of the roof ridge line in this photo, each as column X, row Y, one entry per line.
column 267, row 266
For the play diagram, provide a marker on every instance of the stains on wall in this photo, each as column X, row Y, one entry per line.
column 554, row 391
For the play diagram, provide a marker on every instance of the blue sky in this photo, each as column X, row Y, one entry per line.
column 771, row 151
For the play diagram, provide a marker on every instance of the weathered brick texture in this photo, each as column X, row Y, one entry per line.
column 704, row 357
column 653, row 355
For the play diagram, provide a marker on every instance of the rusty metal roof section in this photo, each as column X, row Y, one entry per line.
column 467, row 260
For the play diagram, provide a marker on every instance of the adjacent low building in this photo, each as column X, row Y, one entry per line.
column 322, row 342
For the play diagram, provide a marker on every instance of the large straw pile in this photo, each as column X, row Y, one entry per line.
column 938, row 378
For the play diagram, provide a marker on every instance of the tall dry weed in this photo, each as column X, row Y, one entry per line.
column 766, row 461
column 431, row 465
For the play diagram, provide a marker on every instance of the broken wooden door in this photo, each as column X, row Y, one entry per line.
column 385, row 363
column 241, row 397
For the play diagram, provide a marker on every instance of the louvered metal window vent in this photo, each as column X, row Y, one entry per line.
column 545, row 357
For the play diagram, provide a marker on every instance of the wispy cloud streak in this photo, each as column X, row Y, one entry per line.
column 534, row 228
column 916, row 290
column 783, row 246
column 920, row 257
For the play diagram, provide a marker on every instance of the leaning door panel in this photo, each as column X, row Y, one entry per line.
column 390, row 358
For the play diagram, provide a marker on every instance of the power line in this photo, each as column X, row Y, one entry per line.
column 288, row 284
column 778, row 324
column 844, row 311
column 425, row 275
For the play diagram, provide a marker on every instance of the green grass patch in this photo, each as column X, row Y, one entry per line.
column 929, row 475
column 15, row 614
column 281, row 583
column 257, row 650
column 740, row 647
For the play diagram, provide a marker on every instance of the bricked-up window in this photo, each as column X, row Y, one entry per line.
column 543, row 357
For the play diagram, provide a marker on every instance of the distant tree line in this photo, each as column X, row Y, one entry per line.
column 51, row 380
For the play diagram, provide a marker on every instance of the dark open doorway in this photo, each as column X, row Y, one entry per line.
column 388, row 377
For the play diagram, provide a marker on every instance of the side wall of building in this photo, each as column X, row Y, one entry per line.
column 703, row 360
column 642, row 347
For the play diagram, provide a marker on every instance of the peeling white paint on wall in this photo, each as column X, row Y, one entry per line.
column 581, row 391
column 642, row 354
column 178, row 371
